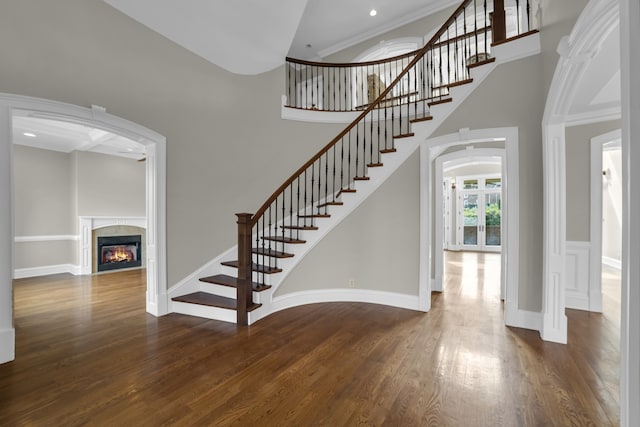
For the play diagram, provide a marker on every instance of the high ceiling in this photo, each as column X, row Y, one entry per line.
column 66, row 137
column 250, row 43
column 254, row 36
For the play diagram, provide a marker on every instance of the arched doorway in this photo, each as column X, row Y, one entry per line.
column 155, row 147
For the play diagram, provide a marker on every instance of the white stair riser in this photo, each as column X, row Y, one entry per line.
column 207, row 312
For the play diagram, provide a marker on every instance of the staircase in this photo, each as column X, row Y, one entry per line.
column 241, row 282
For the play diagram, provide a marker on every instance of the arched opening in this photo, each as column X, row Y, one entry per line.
column 501, row 142
column 155, row 171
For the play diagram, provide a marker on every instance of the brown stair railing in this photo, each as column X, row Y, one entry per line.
column 353, row 86
column 424, row 80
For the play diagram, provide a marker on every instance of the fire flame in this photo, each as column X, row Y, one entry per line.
column 118, row 254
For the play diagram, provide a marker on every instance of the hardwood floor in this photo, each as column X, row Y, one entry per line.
column 88, row 354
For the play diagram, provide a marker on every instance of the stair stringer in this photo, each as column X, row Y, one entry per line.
column 511, row 51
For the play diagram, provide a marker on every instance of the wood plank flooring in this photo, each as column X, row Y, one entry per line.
column 88, row 354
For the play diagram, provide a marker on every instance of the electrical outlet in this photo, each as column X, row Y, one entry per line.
column 352, row 283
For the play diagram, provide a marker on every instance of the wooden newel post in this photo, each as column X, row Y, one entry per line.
column 498, row 22
column 245, row 289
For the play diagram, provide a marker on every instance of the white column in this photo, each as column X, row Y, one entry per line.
column 630, row 324
column 7, row 332
column 554, row 320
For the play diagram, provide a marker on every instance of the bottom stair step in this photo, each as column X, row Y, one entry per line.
column 211, row 300
column 225, row 280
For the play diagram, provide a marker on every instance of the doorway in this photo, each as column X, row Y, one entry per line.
column 96, row 117
column 501, row 142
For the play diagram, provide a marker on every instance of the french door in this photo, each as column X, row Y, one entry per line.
column 480, row 216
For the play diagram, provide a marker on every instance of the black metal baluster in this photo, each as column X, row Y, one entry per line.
column 351, row 76
column 313, row 181
column 341, row 164
column 345, row 108
column 517, row 17
column 528, row 16
column 304, row 220
column 326, row 177
column 334, row 174
column 475, row 25
column 485, row 26
column 319, row 179
column 357, row 150
column 349, row 162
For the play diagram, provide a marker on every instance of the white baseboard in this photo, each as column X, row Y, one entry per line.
column 21, row 273
column 7, row 345
column 295, row 299
column 612, row 262
column 523, row 319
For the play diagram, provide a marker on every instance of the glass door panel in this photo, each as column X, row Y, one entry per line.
column 492, row 219
column 470, row 215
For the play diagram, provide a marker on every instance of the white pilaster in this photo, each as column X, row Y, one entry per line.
column 630, row 324
column 554, row 320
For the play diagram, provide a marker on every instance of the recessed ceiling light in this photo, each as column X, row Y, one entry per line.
column 373, row 12
column 29, row 134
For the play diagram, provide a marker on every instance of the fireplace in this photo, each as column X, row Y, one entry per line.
column 116, row 252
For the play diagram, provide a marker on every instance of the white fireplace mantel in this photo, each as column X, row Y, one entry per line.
column 89, row 223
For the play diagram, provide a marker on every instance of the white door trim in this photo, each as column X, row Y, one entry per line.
column 630, row 324
column 595, row 234
column 430, row 150
column 155, row 147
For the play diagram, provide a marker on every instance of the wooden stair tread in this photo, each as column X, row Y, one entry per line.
column 254, row 267
column 375, row 165
column 299, row 227
column 315, row 216
column 232, row 282
column 331, row 204
column 404, row 135
column 282, row 239
column 460, row 83
column 345, row 190
column 211, row 300
column 479, row 63
column 271, row 252
column 361, row 178
column 388, row 150
column 439, row 101
column 421, row 119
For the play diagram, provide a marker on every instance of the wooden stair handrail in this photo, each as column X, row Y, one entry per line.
column 419, row 54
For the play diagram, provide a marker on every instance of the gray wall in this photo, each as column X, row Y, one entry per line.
column 377, row 245
column 577, row 151
column 109, row 185
column 51, row 189
column 43, row 206
column 227, row 148
column 42, row 192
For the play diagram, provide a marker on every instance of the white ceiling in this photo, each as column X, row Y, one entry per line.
column 254, row 36
column 67, row 137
